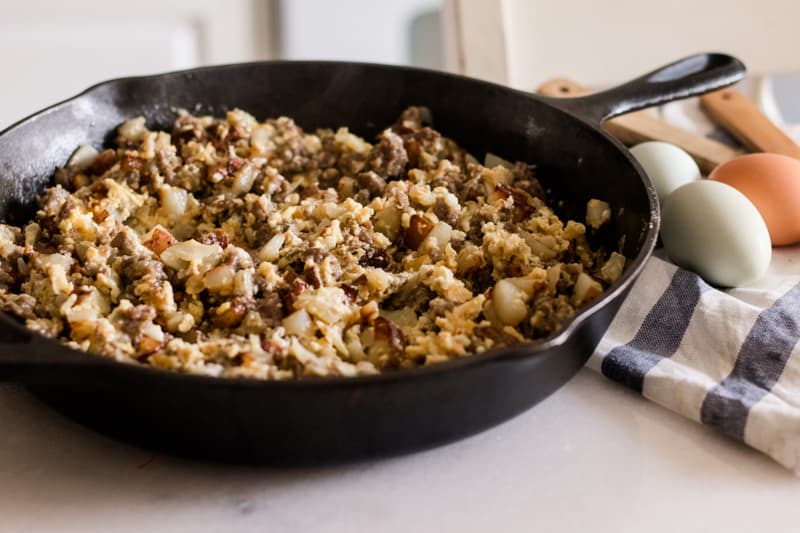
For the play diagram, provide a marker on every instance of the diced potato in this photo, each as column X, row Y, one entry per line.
column 612, row 268
column 441, row 233
column 180, row 255
column 298, row 323
column 83, row 157
column 173, row 201
column 133, row 129
column 271, row 250
column 597, row 213
column 219, row 279
column 225, row 246
column 586, row 289
column 510, row 302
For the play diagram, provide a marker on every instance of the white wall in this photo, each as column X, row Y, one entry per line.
column 51, row 50
column 600, row 42
column 395, row 31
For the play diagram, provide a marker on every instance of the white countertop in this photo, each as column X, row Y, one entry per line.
column 592, row 457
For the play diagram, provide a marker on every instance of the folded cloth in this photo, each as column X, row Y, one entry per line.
column 729, row 359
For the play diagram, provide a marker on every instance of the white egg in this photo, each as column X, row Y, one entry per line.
column 668, row 166
column 713, row 229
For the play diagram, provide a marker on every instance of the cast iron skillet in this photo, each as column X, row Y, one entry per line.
column 316, row 420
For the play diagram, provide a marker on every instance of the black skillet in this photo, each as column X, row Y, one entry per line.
column 315, row 420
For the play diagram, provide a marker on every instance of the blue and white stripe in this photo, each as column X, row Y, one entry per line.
column 728, row 359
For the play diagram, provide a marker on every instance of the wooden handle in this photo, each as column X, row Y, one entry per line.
column 741, row 118
column 639, row 127
column 562, row 87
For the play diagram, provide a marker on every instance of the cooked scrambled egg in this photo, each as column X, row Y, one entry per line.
column 232, row 247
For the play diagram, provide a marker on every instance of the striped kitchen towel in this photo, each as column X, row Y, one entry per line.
column 729, row 359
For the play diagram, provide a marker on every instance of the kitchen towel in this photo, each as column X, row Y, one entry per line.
column 729, row 359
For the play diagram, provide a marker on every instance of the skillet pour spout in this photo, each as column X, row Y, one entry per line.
column 334, row 419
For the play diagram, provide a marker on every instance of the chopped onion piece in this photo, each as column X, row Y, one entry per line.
column 388, row 222
column 526, row 285
column 180, row 255
column 441, row 232
column 219, row 279
column 586, row 289
column 491, row 160
column 271, row 250
column 298, row 323
column 598, row 213
column 612, row 269
column 173, row 200
column 510, row 302
column 133, row 129
column 542, row 246
column 83, row 157
column 405, row 317
column 243, row 180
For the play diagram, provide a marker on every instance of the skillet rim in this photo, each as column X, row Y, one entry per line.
column 515, row 353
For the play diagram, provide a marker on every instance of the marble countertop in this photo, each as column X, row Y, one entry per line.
column 593, row 456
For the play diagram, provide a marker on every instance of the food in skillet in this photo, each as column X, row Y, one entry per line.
column 233, row 247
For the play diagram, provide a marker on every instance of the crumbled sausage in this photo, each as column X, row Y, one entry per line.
column 372, row 182
column 125, row 242
column 497, row 335
column 270, row 307
column 246, row 248
column 445, row 211
column 389, row 157
column 229, row 314
column 22, row 306
column 216, row 236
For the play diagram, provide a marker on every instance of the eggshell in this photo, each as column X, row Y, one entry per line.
column 772, row 183
column 713, row 229
column 667, row 166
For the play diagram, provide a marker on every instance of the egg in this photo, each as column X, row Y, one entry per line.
column 668, row 166
column 713, row 229
column 772, row 183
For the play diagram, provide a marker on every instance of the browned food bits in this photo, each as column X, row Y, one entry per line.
column 418, row 228
column 233, row 247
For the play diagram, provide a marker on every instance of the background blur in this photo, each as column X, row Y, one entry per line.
column 50, row 51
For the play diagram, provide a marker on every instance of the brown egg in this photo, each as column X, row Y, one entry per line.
column 772, row 183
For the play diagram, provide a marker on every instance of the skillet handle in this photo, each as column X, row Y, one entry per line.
column 691, row 76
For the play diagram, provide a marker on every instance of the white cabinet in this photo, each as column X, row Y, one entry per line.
column 51, row 50
column 402, row 32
